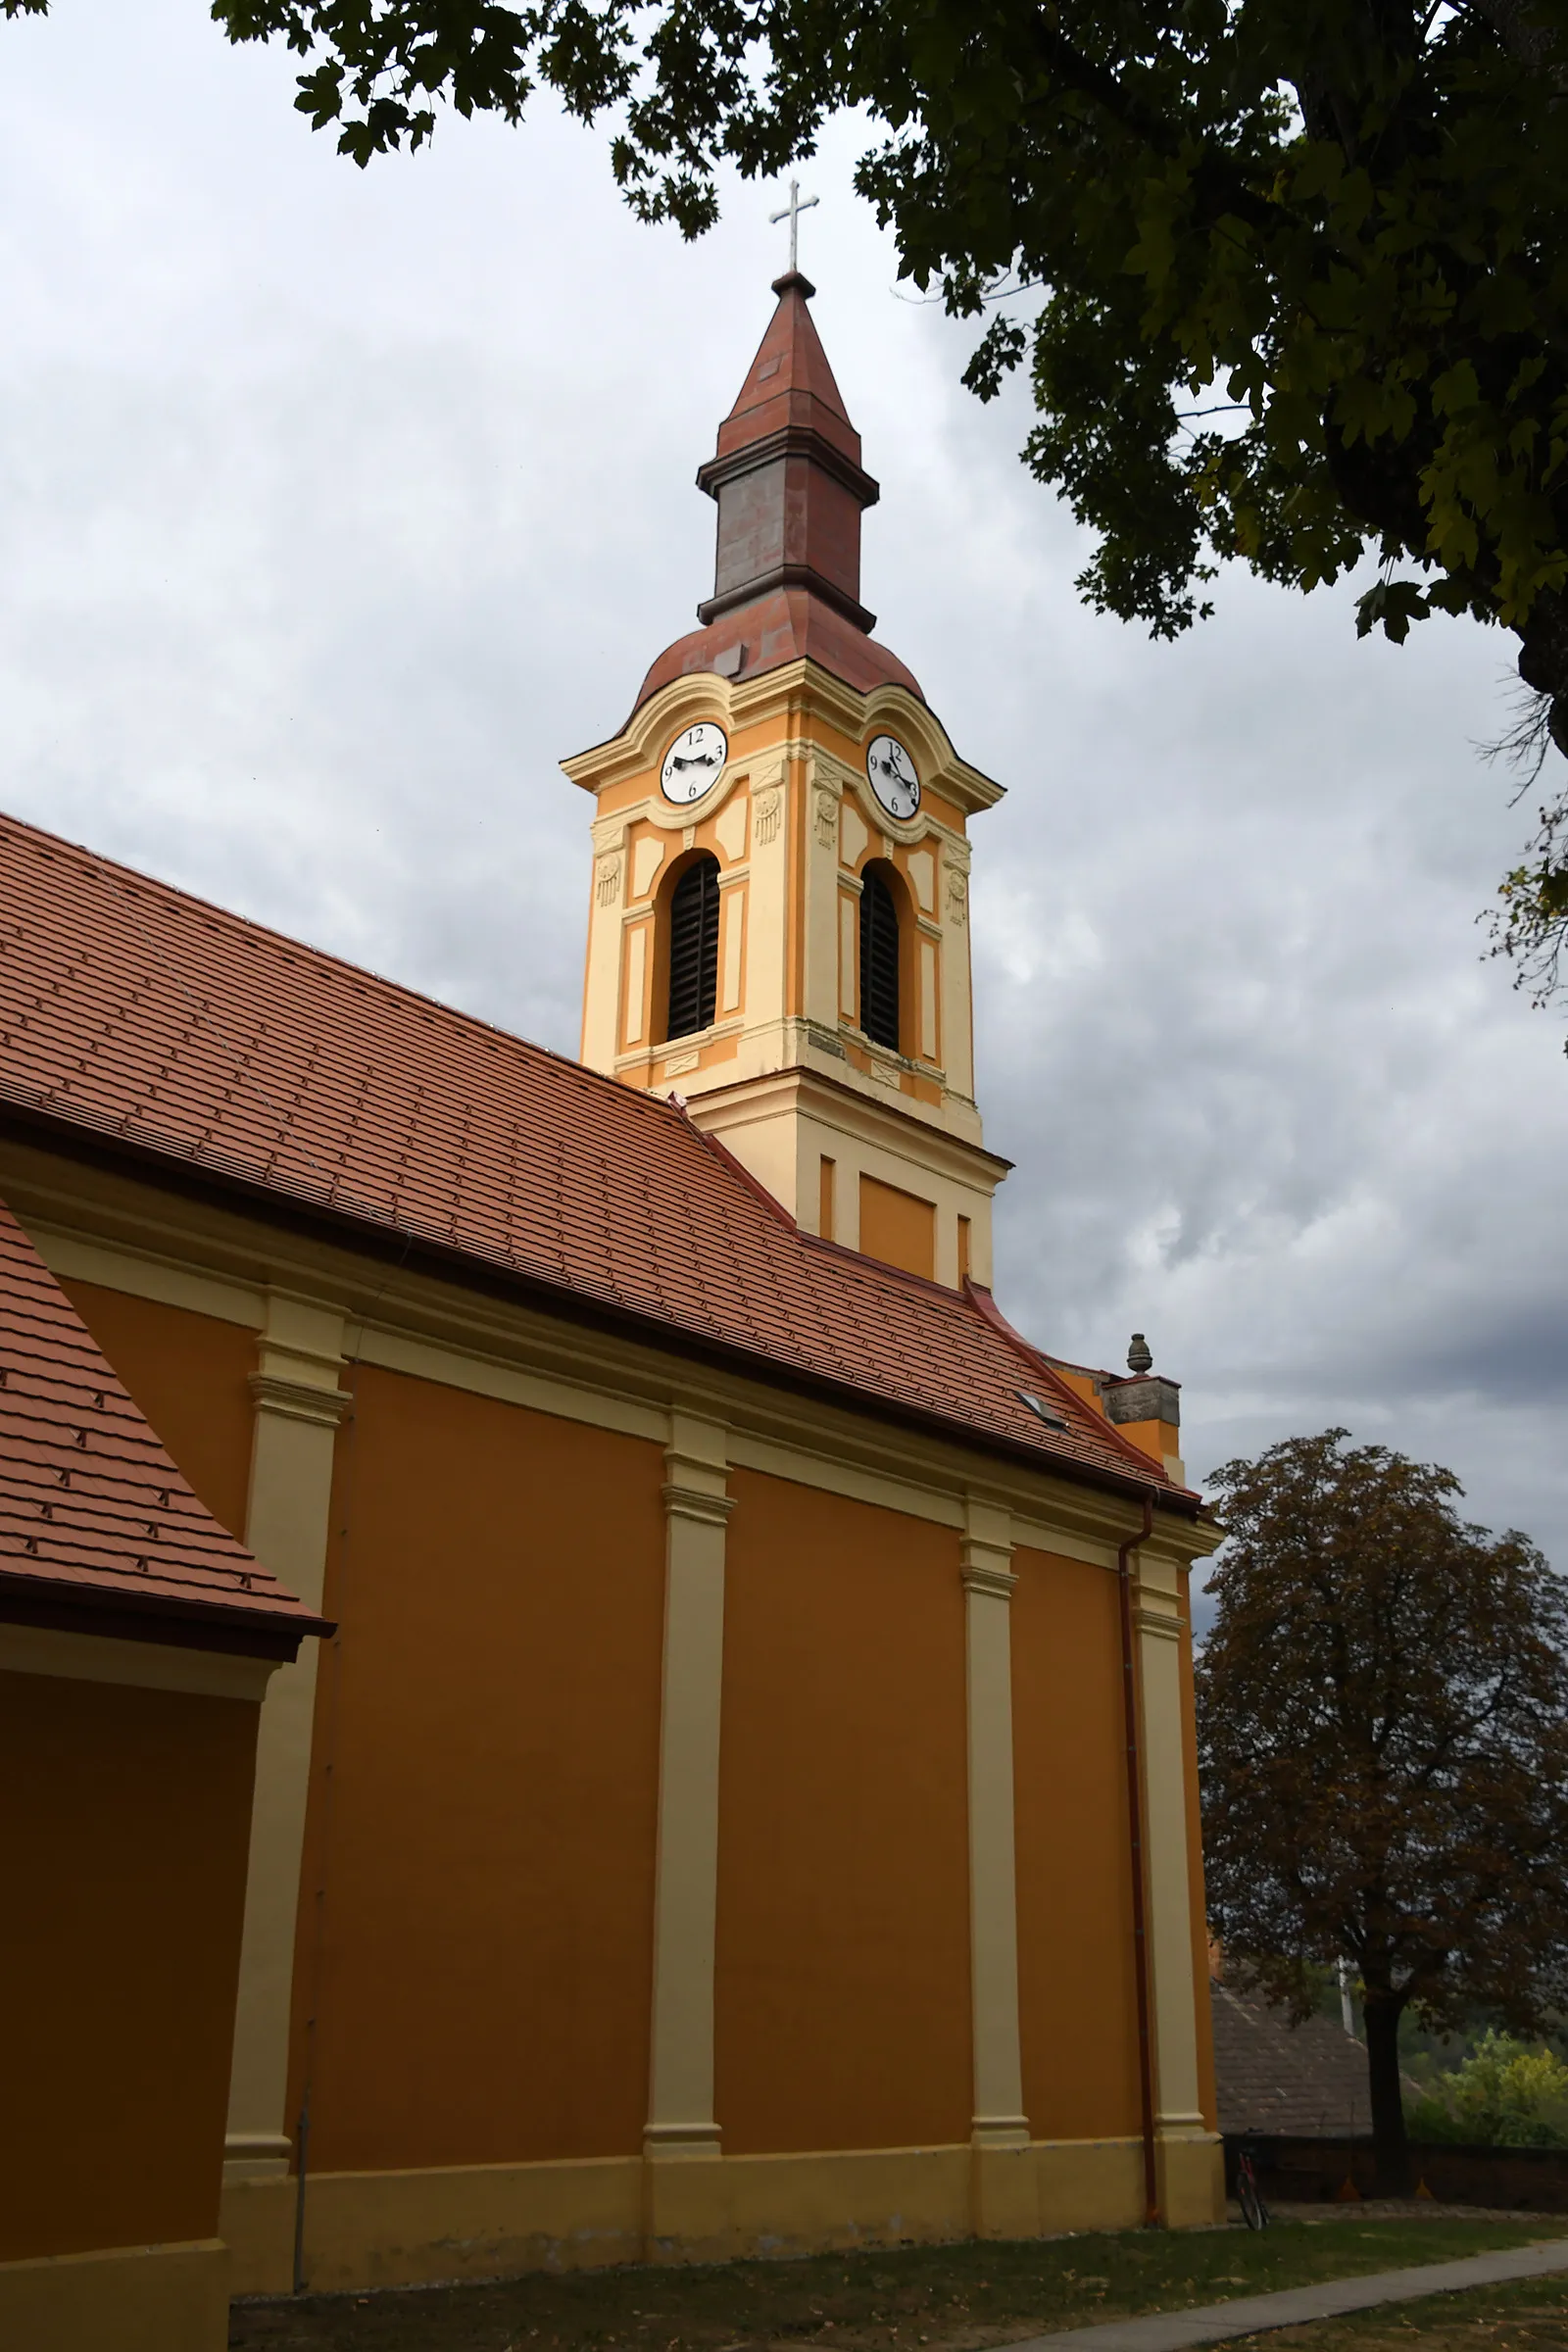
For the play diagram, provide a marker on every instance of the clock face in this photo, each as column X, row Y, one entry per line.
column 694, row 761
column 891, row 776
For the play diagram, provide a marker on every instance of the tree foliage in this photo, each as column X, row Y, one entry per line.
column 1503, row 2094
column 1383, row 1749
column 1298, row 269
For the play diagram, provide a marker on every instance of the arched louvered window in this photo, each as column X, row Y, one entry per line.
column 879, row 961
column 694, row 947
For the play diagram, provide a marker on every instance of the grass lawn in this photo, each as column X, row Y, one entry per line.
column 1531, row 2316
column 956, row 2297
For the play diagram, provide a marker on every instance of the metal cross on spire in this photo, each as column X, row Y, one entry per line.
column 791, row 212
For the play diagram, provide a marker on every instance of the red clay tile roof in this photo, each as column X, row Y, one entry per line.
column 97, row 1527
column 135, row 1013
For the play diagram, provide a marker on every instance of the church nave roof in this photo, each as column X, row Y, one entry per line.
column 197, row 1040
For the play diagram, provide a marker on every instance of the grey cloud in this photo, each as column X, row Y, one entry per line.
column 335, row 509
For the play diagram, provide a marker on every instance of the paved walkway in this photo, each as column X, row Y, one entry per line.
column 1214, row 2323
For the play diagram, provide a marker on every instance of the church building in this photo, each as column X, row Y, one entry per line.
column 739, row 1791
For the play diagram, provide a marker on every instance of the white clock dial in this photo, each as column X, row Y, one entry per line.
column 694, row 761
column 890, row 773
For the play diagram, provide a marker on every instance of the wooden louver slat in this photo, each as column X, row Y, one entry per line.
column 694, row 949
column 879, row 961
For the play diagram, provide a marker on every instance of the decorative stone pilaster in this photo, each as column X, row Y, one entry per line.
column 1003, row 2179
column 601, row 980
column 681, row 2125
column 827, row 959
column 1185, row 2150
column 299, row 1406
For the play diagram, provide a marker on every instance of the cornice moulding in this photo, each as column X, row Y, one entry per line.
column 841, row 1102
column 165, row 1238
column 696, row 1502
column 745, row 701
column 300, row 1400
column 997, row 1584
column 788, row 441
column 145, row 1665
column 788, row 575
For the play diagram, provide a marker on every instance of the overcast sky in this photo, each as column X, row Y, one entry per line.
column 337, row 508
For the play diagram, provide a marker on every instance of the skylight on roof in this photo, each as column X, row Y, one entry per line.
column 1042, row 1411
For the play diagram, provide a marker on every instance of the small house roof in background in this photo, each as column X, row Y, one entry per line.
column 1305, row 2081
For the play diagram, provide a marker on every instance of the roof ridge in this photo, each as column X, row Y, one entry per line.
column 737, row 1167
column 1033, row 1356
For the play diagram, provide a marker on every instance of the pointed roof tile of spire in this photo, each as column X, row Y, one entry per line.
column 790, row 382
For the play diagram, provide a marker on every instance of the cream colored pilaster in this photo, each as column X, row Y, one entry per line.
column 298, row 1408
column 601, row 992
column 1000, row 2131
column 820, row 879
column 1185, row 2150
column 681, row 2125
column 764, row 995
column 957, row 1026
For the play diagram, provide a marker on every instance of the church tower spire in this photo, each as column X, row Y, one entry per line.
column 779, row 920
column 787, row 474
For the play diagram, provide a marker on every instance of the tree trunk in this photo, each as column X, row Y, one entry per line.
column 1390, row 2150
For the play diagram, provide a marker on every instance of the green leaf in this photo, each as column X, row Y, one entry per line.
column 1457, row 388
column 1392, row 604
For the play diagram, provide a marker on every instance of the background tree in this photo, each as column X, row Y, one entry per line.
column 1383, row 1749
column 1503, row 2093
column 1303, row 264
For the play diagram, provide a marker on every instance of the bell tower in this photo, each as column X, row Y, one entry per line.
column 779, row 919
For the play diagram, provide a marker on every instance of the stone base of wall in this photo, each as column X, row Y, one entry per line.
column 367, row 2230
column 172, row 2298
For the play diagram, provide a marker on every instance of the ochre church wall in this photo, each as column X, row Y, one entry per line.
column 486, row 1832
column 842, row 1955
column 124, row 1819
column 483, row 1797
column 478, row 1884
column 898, row 1228
column 1077, row 1999
column 188, row 1373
